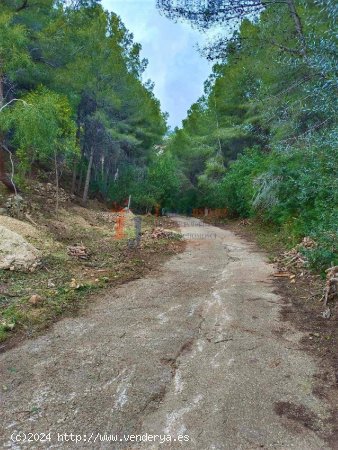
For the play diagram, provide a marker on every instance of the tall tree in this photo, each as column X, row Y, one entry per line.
column 78, row 50
column 206, row 13
column 13, row 55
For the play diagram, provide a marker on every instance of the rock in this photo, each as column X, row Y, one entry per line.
column 15, row 206
column 8, row 326
column 15, row 252
column 327, row 313
column 36, row 300
column 74, row 284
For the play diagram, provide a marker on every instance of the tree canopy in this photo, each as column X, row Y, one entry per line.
column 73, row 70
column 262, row 140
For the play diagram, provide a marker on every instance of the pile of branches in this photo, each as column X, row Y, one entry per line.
column 294, row 262
column 331, row 285
column 244, row 222
column 78, row 251
column 294, row 259
column 161, row 233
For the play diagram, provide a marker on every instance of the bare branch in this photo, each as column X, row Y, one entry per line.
column 4, row 147
column 13, row 100
column 293, row 51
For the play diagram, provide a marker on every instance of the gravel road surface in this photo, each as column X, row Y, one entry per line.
column 194, row 352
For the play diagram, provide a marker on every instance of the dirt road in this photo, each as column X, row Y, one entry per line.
column 196, row 349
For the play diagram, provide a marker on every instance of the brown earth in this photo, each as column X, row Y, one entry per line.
column 303, row 308
column 64, row 282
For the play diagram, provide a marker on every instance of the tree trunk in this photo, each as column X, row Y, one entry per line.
column 56, row 182
column 86, row 187
column 219, row 152
column 2, row 100
column 102, row 168
column 106, row 181
column 298, row 25
column 79, row 184
column 3, row 176
column 74, row 176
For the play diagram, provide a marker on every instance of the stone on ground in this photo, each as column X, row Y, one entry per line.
column 15, row 252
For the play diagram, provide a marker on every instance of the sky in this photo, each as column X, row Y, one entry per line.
column 175, row 65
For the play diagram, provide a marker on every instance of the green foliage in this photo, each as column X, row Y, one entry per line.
column 42, row 128
column 75, row 73
column 13, row 44
column 238, row 186
column 269, row 113
column 156, row 185
column 261, row 141
column 163, row 179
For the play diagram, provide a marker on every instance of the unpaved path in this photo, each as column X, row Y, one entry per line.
column 196, row 349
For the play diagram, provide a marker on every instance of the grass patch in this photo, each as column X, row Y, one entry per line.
column 270, row 237
column 65, row 284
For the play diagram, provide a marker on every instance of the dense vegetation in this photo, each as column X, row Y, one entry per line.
column 73, row 106
column 262, row 141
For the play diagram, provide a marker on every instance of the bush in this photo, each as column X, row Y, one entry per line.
column 296, row 189
column 237, row 187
